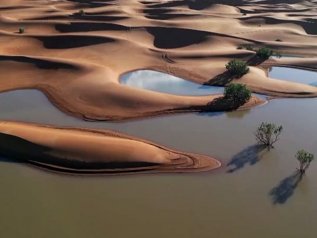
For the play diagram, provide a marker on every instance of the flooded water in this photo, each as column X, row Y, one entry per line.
column 294, row 75
column 235, row 204
column 165, row 83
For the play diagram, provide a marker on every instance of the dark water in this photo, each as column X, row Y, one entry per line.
column 259, row 198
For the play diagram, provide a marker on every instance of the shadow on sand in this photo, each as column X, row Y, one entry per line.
column 14, row 149
column 250, row 155
column 255, row 61
column 221, row 79
column 226, row 77
column 285, row 189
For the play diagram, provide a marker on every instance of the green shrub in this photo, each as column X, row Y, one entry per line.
column 21, row 30
column 249, row 47
column 81, row 12
column 264, row 53
column 237, row 68
column 277, row 54
column 304, row 158
column 237, row 94
column 268, row 133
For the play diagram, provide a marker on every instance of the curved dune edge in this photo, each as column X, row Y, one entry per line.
column 76, row 59
column 90, row 151
column 204, row 105
column 94, row 93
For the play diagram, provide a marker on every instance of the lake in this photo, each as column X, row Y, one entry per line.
column 253, row 197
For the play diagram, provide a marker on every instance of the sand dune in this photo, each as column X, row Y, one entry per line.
column 189, row 39
column 83, row 151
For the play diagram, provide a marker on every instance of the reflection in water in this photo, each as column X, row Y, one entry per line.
column 238, row 114
column 165, row 83
column 294, row 75
column 231, row 114
column 210, row 114
column 250, row 155
column 285, row 189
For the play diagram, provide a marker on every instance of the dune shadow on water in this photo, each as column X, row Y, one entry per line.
column 250, row 155
column 4, row 159
column 286, row 187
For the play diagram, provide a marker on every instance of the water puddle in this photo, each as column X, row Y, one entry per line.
column 294, row 75
column 165, row 83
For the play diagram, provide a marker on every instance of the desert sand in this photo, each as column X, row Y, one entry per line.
column 86, row 151
column 75, row 52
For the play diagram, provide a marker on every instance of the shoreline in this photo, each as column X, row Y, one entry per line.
column 123, row 102
column 90, row 150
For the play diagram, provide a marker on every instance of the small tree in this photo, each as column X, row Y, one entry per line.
column 21, row 30
column 267, row 134
column 277, row 54
column 237, row 68
column 304, row 158
column 249, row 47
column 81, row 12
column 237, row 93
column 264, row 53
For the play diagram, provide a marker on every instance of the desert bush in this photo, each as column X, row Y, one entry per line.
column 21, row 30
column 81, row 12
column 268, row 134
column 237, row 68
column 264, row 53
column 237, row 94
column 304, row 158
column 277, row 54
column 249, row 47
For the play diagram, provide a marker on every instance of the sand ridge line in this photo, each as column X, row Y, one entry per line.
column 177, row 161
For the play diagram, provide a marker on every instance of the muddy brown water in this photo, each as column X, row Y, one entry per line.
column 257, row 198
